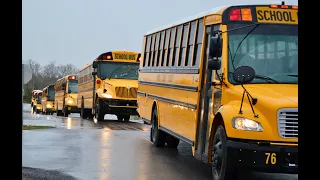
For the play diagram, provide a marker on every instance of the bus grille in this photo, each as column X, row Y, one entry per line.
column 288, row 122
column 124, row 92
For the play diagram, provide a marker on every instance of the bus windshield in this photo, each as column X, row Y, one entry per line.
column 118, row 70
column 73, row 86
column 51, row 94
column 271, row 50
column 39, row 98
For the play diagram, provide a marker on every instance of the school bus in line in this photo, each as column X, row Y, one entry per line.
column 48, row 94
column 37, row 106
column 226, row 82
column 33, row 96
column 66, row 94
column 109, row 85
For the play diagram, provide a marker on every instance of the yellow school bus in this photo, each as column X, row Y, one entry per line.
column 33, row 96
column 37, row 106
column 66, row 94
column 226, row 82
column 48, row 94
column 109, row 85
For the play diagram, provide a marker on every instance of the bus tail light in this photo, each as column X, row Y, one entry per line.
column 243, row 14
column 294, row 7
column 139, row 57
column 105, row 56
column 98, row 81
column 235, row 15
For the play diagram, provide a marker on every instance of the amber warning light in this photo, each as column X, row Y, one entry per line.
column 72, row 77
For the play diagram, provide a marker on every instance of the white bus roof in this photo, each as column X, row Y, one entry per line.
column 190, row 18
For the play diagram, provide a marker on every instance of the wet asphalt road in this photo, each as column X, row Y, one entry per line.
column 113, row 150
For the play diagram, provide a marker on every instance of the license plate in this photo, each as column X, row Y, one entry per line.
column 69, row 108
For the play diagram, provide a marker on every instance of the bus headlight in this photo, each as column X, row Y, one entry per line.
column 38, row 107
column 106, row 95
column 70, row 101
column 246, row 124
column 48, row 106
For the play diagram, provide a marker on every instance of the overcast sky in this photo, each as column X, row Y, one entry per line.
column 77, row 31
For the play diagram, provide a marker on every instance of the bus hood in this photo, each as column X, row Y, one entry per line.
column 280, row 95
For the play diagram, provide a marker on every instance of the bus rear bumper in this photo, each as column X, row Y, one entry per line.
column 263, row 158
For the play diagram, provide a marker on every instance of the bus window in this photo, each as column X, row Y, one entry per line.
column 118, row 70
column 73, row 87
column 51, row 94
column 39, row 98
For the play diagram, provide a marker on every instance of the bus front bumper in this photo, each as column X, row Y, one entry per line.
column 123, row 107
column 73, row 109
column 263, row 158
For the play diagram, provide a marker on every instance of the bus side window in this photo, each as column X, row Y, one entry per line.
column 198, row 44
column 147, row 52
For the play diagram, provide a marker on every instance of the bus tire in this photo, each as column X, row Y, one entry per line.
column 172, row 142
column 219, row 168
column 156, row 135
column 90, row 115
column 58, row 111
column 119, row 117
column 99, row 111
column 126, row 118
column 65, row 111
column 83, row 113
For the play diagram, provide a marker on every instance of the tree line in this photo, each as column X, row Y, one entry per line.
column 46, row 75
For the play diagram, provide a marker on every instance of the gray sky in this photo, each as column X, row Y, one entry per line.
column 77, row 31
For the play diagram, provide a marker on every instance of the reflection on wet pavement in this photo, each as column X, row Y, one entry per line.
column 111, row 150
column 74, row 121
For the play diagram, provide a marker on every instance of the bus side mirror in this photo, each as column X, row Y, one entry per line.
column 94, row 73
column 215, row 51
column 94, row 64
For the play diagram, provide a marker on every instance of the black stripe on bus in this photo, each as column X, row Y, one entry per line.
column 173, row 101
column 175, row 86
column 142, row 93
column 177, row 135
column 171, row 70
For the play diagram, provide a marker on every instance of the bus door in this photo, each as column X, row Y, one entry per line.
column 206, row 104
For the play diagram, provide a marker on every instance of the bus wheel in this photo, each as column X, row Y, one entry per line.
column 99, row 112
column 172, row 141
column 126, row 118
column 119, row 117
column 83, row 114
column 220, row 169
column 65, row 111
column 156, row 136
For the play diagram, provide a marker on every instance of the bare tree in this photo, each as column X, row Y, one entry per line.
column 45, row 76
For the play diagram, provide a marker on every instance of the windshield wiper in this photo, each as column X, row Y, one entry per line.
column 235, row 53
column 292, row 75
column 114, row 71
column 268, row 79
